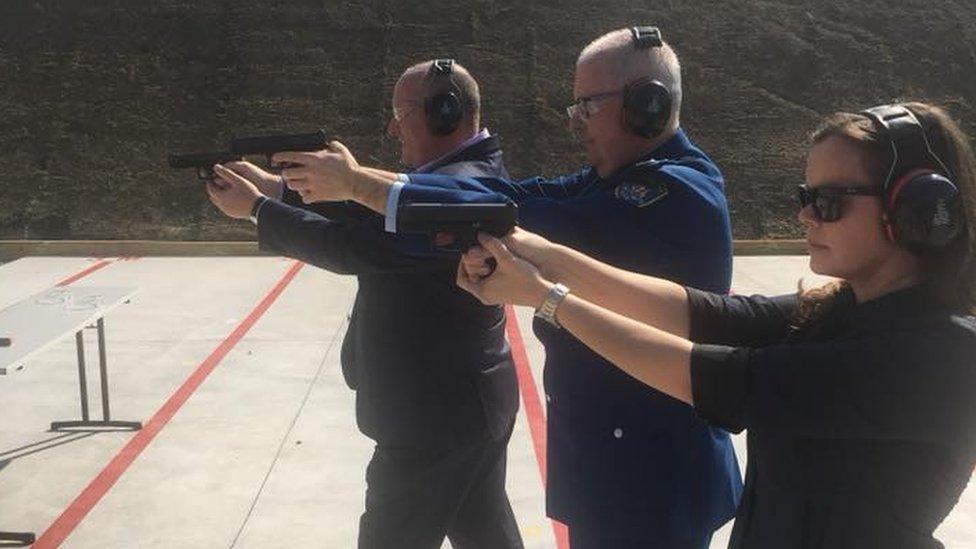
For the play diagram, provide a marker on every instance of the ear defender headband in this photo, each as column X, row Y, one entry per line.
column 921, row 201
column 647, row 102
column 443, row 108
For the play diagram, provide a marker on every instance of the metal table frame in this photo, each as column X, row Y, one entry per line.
column 16, row 539
column 86, row 422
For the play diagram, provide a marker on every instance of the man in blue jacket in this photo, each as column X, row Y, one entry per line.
column 435, row 383
column 627, row 467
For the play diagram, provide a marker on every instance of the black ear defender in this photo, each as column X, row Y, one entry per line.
column 647, row 102
column 443, row 108
column 922, row 202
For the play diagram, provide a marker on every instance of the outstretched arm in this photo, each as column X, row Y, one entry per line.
column 334, row 175
column 353, row 247
column 651, row 355
column 646, row 299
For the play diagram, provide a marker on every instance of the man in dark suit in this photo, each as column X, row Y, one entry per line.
column 436, row 386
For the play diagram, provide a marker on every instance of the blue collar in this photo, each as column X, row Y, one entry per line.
column 672, row 149
column 676, row 147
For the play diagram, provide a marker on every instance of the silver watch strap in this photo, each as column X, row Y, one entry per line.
column 547, row 311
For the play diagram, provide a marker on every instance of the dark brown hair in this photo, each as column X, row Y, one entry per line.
column 951, row 272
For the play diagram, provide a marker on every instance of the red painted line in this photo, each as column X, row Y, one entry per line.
column 533, row 410
column 100, row 264
column 61, row 528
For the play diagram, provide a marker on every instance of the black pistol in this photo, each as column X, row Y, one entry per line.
column 203, row 162
column 462, row 221
column 268, row 145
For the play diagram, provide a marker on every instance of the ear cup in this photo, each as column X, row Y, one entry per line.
column 925, row 210
column 646, row 107
column 444, row 112
column 443, row 107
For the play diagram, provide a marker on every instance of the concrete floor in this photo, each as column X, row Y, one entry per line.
column 250, row 442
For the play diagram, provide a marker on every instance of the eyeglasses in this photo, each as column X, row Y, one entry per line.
column 585, row 107
column 827, row 201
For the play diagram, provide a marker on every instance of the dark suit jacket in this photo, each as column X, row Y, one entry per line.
column 430, row 363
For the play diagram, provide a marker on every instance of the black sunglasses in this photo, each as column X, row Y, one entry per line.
column 827, row 200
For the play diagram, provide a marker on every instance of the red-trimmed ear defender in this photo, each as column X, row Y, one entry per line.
column 444, row 109
column 922, row 205
column 924, row 210
column 647, row 102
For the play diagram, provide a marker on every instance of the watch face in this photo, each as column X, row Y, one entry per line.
column 547, row 311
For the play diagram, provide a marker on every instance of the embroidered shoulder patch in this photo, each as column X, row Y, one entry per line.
column 641, row 194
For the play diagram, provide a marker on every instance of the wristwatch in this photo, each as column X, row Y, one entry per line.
column 256, row 208
column 547, row 311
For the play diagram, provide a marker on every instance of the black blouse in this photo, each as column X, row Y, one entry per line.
column 861, row 427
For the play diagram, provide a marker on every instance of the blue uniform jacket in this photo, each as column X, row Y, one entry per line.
column 621, row 456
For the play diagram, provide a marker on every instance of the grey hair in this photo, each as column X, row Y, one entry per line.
column 632, row 64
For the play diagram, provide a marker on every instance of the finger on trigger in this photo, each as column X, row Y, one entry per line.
column 494, row 246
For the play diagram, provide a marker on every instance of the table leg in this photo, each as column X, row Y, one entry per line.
column 16, row 539
column 106, row 421
column 82, row 377
column 103, row 368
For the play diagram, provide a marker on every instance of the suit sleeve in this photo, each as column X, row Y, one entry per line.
column 457, row 189
column 336, row 211
column 557, row 188
column 685, row 236
column 355, row 246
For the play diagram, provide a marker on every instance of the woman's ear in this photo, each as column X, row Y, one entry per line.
column 889, row 228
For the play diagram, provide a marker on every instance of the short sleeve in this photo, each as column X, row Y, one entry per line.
column 908, row 385
column 720, row 384
column 739, row 321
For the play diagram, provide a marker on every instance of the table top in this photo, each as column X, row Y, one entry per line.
column 34, row 323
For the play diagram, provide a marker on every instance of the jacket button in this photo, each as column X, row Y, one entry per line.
column 618, row 433
column 549, row 399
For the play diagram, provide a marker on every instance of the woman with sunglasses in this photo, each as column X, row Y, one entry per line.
column 859, row 397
